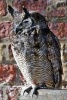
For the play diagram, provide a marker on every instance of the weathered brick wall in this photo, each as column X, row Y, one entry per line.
column 57, row 21
column 56, row 17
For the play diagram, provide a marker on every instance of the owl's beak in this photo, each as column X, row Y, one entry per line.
column 18, row 30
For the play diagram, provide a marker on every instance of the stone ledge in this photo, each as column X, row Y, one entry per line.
column 44, row 94
column 48, row 95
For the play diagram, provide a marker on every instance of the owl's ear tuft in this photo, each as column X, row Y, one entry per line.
column 27, row 14
column 11, row 10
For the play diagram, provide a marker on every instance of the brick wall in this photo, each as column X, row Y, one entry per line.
column 59, row 27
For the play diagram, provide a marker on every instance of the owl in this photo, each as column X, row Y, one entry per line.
column 36, row 51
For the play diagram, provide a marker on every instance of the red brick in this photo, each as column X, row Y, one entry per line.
column 59, row 29
column 4, row 29
column 3, row 7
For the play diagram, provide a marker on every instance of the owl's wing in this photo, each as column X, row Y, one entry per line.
column 58, row 52
column 54, row 57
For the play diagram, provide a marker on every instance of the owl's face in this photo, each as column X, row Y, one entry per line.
column 28, row 24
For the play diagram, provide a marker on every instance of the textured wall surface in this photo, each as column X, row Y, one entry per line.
column 56, row 15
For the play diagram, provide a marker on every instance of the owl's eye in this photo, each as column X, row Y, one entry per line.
column 24, row 26
column 27, row 23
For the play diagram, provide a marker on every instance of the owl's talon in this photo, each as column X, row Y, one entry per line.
column 34, row 91
column 27, row 90
column 31, row 91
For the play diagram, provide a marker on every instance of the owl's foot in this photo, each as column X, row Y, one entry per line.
column 31, row 91
column 34, row 91
column 27, row 90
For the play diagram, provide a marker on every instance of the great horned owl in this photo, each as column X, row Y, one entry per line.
column 36, row 51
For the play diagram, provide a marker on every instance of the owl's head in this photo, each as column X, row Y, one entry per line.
column 26, row 22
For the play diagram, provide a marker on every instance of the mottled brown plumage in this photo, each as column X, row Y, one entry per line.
column 37, row 51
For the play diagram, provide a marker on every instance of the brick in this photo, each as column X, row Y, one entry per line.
column 3, row 7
